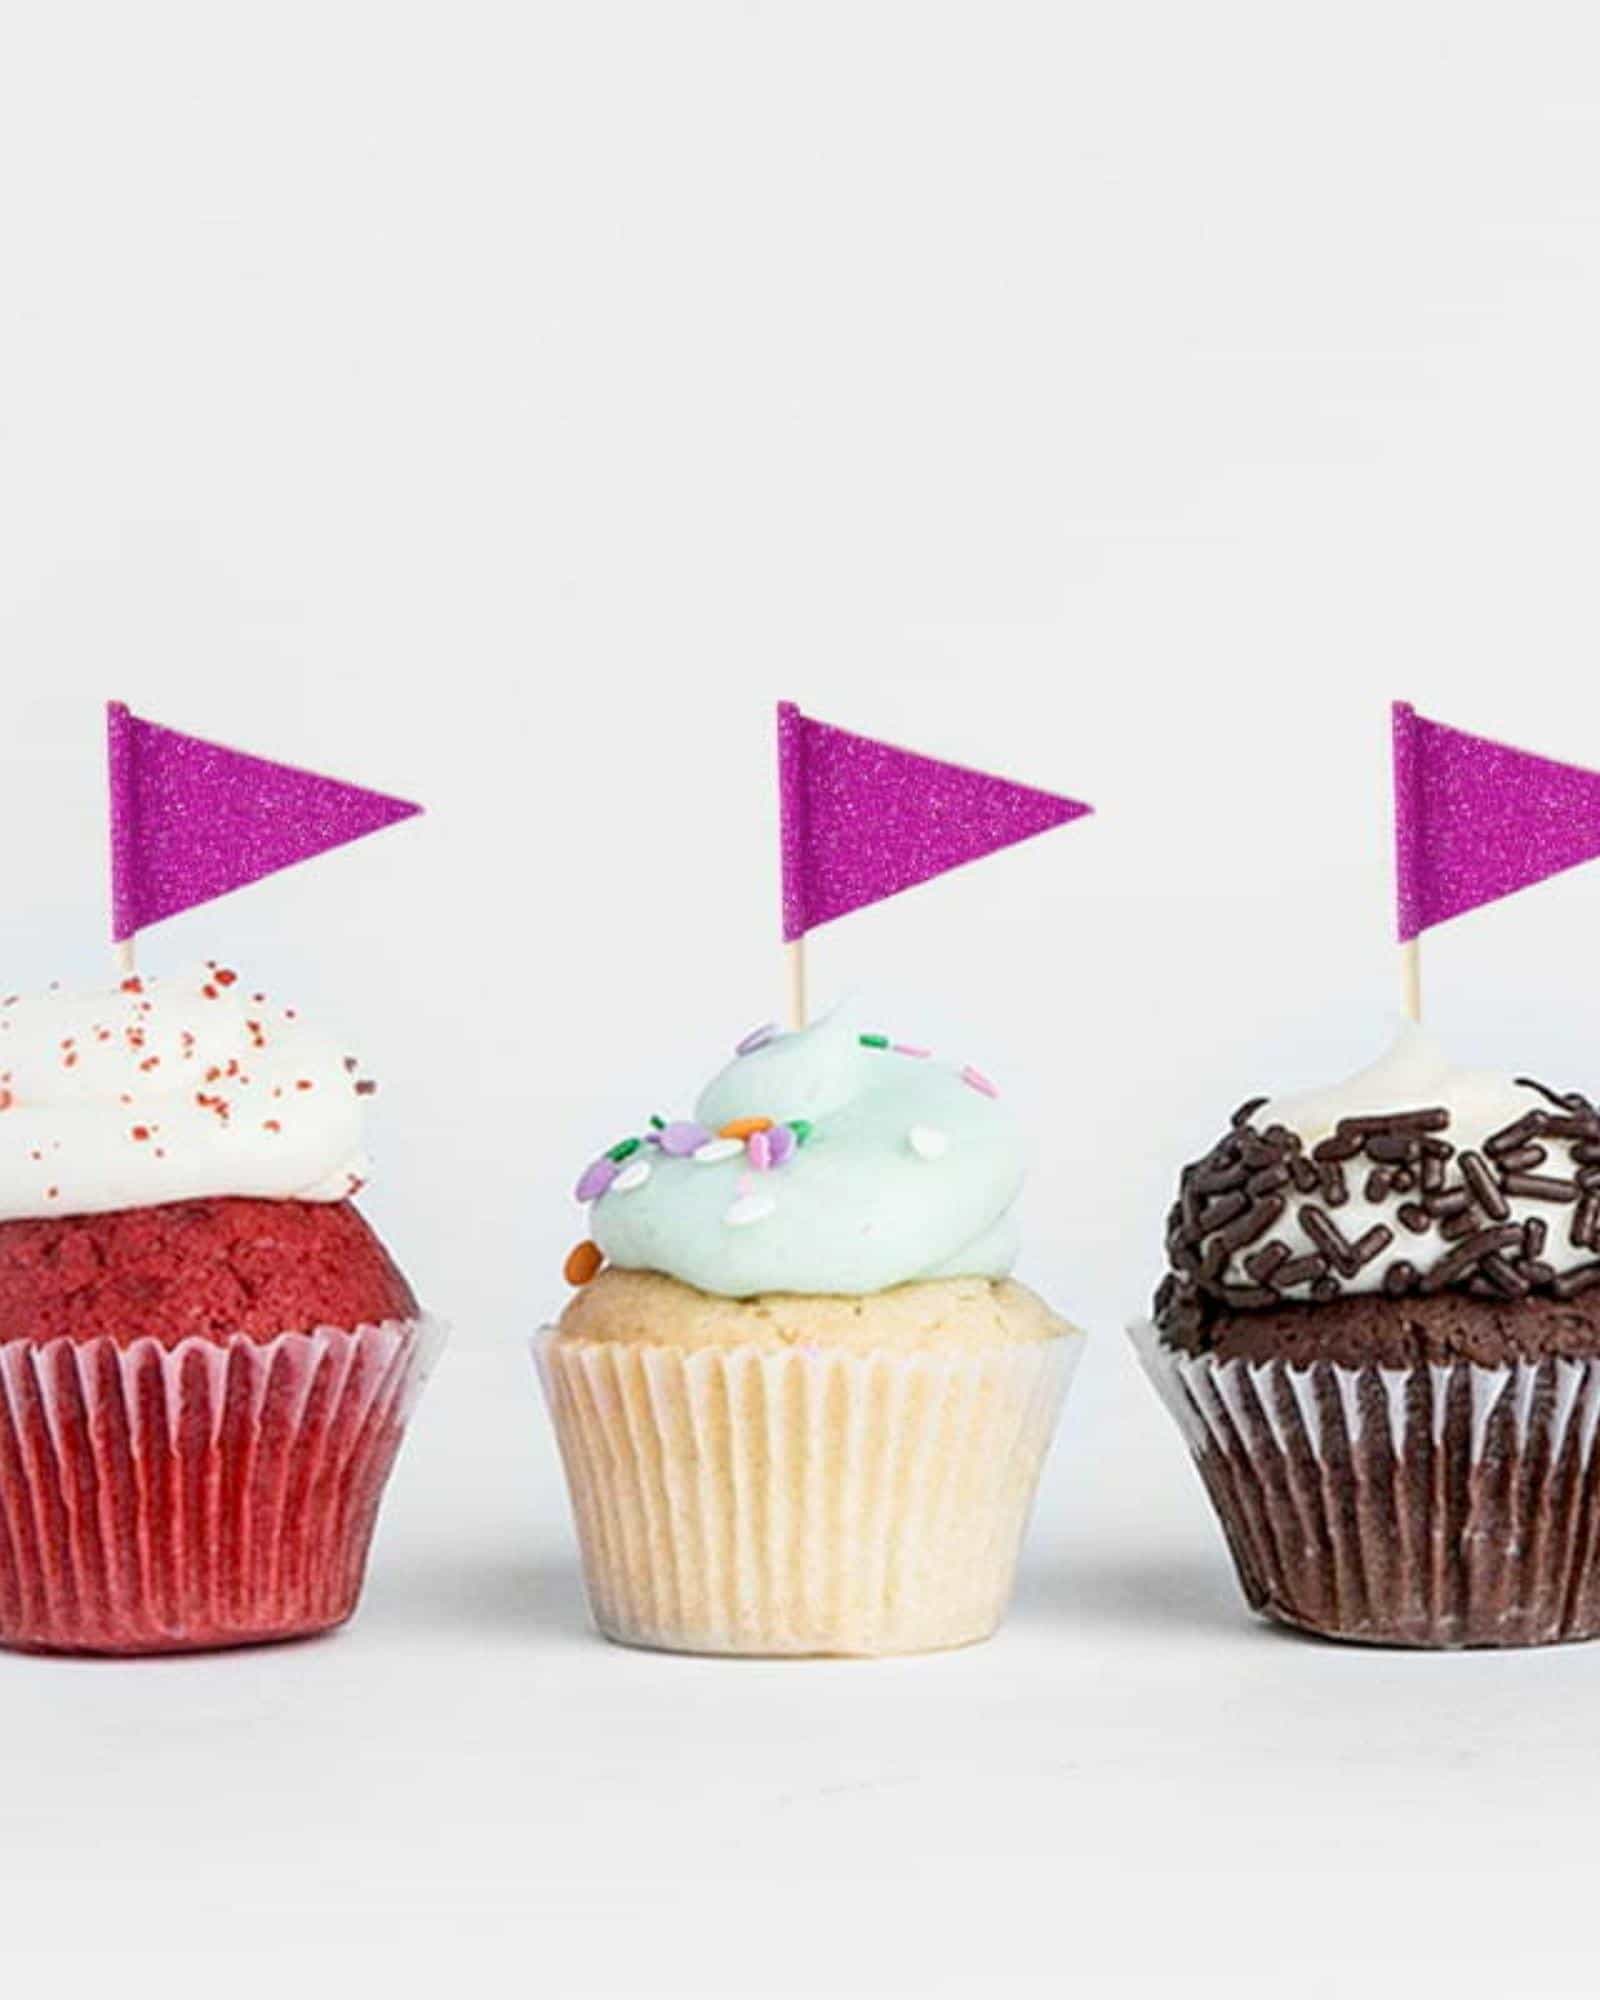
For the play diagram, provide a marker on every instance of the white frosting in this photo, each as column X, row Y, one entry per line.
column 1414, row 1075
column 169, row 1090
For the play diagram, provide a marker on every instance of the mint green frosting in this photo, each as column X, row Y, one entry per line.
column 907, row 1171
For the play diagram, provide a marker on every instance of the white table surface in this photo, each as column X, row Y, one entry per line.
column 1136, row 1786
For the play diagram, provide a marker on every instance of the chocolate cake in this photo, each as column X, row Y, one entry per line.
column 1380, row 1330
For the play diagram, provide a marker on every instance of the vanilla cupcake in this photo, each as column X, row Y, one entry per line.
column 801, row 1402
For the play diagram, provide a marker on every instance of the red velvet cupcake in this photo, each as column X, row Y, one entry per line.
column 206, row 1355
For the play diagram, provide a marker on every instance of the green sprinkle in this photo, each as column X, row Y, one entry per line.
column 622, row 1150
column 801, row 1128
column 873, row 1041
column 657, row 1124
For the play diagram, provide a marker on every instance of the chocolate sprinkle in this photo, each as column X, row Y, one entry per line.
column 1486, row 1191
column 1225, row 1256
column 1539, row 1187
column 1459, row 1261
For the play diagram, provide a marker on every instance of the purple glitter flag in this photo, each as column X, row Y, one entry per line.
column 863, row 820
column 191, row 820
column 1475, row 820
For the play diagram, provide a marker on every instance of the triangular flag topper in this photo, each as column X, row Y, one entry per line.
column 863, row 820
column 191, row 820
column 1475, row 820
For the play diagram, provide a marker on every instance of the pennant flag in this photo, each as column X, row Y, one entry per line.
column 191, row 821
column 863, row 820
column 1475, row 820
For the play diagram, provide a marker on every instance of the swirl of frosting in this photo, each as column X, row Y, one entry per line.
column 169, row 1090
column 1414, row 1176
column 820, row 1161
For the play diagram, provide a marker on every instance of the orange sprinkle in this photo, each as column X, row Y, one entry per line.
column 583, row 1262
column 744, row 1128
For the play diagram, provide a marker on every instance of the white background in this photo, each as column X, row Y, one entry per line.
column 504, row 405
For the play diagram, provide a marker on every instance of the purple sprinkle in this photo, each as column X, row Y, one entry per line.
column 596, row 1179
column 782, row 1145
column 757, row 1038
column 978, row 1081
column 907, row 1049
column 681, row 1139
column 758, row 1151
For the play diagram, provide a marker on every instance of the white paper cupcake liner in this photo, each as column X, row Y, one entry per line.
column 759, row 1501
column 1435, row 1505
column 205, row 1494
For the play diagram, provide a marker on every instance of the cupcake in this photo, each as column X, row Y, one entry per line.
column 801, row 1402
column 206, row 1355
column 1380, row 1334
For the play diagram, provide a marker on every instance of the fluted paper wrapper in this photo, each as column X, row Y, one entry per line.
column 213, row 1493
column 759, row 1501
column 1435, row 1505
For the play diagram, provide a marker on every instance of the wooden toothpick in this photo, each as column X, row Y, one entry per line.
column 795, row 957
column 1411, row 978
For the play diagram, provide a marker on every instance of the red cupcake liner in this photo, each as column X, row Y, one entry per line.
column 213, row 1493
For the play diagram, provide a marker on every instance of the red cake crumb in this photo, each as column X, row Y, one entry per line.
column 197, row 1268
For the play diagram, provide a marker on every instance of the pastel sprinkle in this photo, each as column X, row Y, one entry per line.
column 758, row 1150
column 715, row 1150
column 873, row 1041
column 596, row 1179
column 682, row 1138
column 757, row 1038
column 782, row 1145
column 624, row 1149
column 750, row 1208
column 583, row 1262
column 910, row 1049
column 741, row 1128
column 927, row 1142
column 976, row 1080
column 657, row 1124
column 634, row 1175
column 802, row 1128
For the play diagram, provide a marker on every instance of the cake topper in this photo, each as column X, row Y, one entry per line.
column 862, row 820
column 1475, row 820
column 192, row 820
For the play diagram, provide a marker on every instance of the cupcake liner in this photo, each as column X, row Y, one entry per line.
column 759, row 1501
column 208, row 1494
column 1435, row 1505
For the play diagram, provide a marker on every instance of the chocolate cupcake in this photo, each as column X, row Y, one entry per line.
column 1380, row 1334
